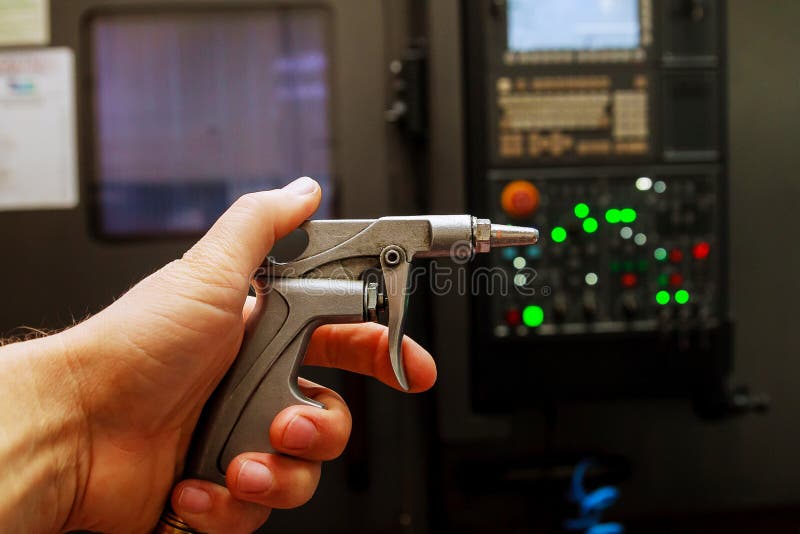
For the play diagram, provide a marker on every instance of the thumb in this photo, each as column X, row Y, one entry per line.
column 243, row 236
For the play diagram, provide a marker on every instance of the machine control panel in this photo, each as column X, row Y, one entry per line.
column 620, row 252
column 602, row 124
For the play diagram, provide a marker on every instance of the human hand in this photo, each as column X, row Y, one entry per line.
column 139, row 372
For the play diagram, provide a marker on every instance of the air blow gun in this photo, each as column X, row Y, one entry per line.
column 326, row 284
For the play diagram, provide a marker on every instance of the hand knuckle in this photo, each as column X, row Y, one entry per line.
column 251, row 201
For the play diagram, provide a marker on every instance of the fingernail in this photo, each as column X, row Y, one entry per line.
column 254, row 477
column 300, row 433
column 302, row 186
column 194, row 500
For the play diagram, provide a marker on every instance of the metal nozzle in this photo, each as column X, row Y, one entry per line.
column 503, row 235
column 488, row 235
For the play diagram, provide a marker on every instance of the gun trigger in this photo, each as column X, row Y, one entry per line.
column 396, row 270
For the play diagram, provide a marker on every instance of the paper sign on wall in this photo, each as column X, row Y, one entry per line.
column 38, row 160
column 24, row 22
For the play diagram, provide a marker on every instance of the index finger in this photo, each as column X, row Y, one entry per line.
column 364, row 348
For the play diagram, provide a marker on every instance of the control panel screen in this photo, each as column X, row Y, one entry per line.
column 194, row 108
column 535, row 25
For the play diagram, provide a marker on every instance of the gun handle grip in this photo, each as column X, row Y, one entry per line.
column 263, row 379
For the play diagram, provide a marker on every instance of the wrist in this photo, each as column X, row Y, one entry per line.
column 44, row 435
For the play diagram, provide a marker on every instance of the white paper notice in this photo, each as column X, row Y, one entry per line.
column 24, row 22
column 38, row 149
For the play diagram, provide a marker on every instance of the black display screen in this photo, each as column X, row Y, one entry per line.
column 193, row 109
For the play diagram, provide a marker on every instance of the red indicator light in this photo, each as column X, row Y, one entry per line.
column 675, row 280
column 700, row 251
column 513, row 317
column 676, row 255
column 519, row 198
column 629, row 280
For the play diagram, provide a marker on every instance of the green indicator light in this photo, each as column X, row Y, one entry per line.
column 581, row 210
column 532, row 316
column 590, row 225
column 662, row 297
column 615, row 266
column 627, row 215
column 681, row 296
column 642, row 266
column 660, row 254
column 663, row 279
column 558, row 234
column 627, row 266
column 612, row 216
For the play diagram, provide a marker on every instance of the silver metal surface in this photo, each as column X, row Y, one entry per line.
column 503, row 235
column 396, row 277
column 482, row 230
column 392, row 255
column 373, row 302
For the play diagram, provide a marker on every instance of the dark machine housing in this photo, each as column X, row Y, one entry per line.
column 604, row 127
